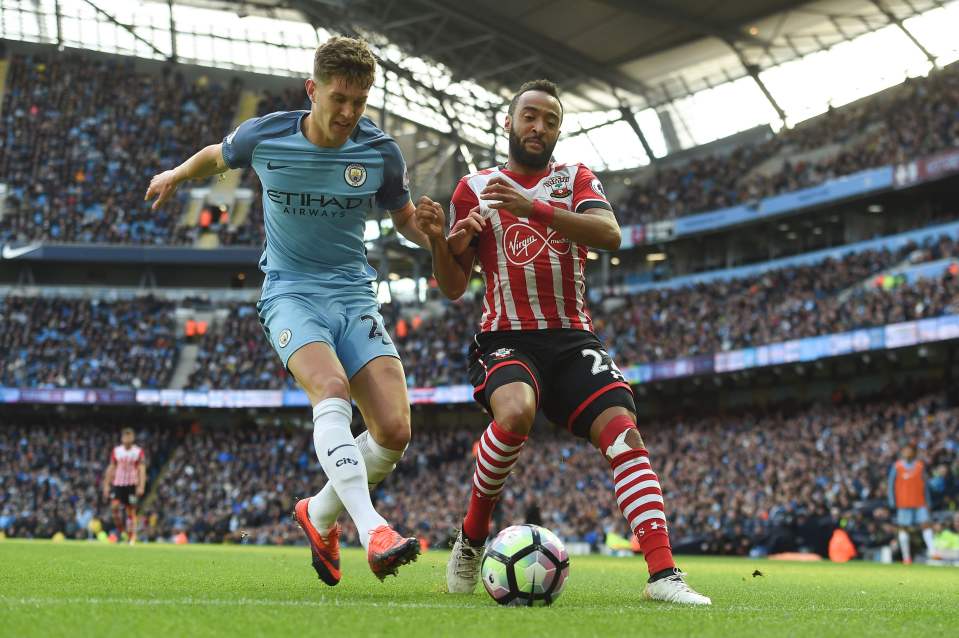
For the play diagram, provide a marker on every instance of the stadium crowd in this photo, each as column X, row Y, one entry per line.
column 822, row 298
column 913, row 120
column 52, row 476
column 80, row 137
column 735, row 484
column 237, row 355
column 91, row 189
column 54, row 342
column 827, row 297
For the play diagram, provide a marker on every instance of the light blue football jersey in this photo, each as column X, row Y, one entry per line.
column 316, row 200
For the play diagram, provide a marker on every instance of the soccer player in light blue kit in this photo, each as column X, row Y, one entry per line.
column 323, row 172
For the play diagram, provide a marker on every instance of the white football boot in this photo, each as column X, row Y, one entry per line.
column 462, row 572
column 673, row 589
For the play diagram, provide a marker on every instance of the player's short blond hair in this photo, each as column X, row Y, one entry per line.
column 346, row 58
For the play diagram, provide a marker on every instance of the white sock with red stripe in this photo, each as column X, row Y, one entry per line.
column 640, row 499
column 343, row 464
column 325, row 507
column 904, row 546
column 496, row 455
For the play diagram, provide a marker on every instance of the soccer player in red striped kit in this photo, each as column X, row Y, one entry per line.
column 124, row 482
column 531, row 223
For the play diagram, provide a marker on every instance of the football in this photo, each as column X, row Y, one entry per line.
column 525, row 565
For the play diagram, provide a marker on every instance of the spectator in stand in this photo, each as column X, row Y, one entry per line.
column 918, row 118
column 79, row 134
column 52, row 475
column 768, row 492
column 72, row 343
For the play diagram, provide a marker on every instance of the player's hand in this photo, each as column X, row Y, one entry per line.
column 139, row 491
column 106, row 493
column 430, row 218
column 162, row 187
column 464, row 231
column 502, row 195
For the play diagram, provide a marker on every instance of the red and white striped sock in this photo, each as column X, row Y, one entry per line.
column 496, row 455
column 640, row 499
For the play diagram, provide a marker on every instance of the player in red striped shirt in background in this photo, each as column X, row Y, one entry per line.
column 124, row 483
column 531, row 223
column 909, row 496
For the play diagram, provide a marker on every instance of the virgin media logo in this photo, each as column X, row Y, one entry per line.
column 524, row 243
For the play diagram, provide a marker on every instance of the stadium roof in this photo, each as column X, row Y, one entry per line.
column 605, row 53
column 641, row 79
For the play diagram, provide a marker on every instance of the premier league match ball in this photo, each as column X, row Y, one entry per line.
column 525, row 565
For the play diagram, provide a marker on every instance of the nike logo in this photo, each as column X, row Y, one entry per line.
column 271, row 167
column 9, row 252
column 330, row 452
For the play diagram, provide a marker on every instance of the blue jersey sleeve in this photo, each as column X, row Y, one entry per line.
column 239, row 145
column 395, row 191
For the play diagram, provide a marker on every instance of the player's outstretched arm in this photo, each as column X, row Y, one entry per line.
column 141, row 478
column 450, row 273
column 205, row 163
column 108, row 478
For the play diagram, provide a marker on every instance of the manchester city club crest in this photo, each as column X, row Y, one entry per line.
column 284, row 337
column 355, row 175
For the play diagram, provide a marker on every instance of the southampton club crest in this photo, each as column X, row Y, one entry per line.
column 355, row 175
column 502, row 353
column 558, row 186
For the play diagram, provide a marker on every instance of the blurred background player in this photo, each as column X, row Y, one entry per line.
column 324, row 171
column 909, row 495
column 124, row 482
column 533, row 222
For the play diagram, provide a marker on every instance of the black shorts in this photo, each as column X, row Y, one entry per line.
column 573, row 376
column 125, row 494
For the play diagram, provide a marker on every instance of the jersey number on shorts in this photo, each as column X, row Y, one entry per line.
column 599, row 366
column 375, row 330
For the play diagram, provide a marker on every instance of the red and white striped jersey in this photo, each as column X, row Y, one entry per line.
column 535, row 277
column 128, row 464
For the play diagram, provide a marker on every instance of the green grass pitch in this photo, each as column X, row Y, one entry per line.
column 83, row 589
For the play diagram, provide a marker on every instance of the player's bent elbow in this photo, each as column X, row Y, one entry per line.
column 453, row 293
column 614, row 240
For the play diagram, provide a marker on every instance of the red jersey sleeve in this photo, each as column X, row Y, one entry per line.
column 113, row 455
column 464, row 200
column 588, row 191
column 141, row 456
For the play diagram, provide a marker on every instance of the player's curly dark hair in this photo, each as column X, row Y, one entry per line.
column 546, row 86
column 347, row 58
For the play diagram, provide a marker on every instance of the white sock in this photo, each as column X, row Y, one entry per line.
column 904, row 544
column 341, row 461
column 929, row 539
column 325, row 507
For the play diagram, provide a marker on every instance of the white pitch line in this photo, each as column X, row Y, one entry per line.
column 359, row 602
column 218, row 602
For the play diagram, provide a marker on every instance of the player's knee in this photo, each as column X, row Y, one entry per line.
column 616, row 428
column 634, row 439
column 320, row 386
column 515, row 416
column 394, row 433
